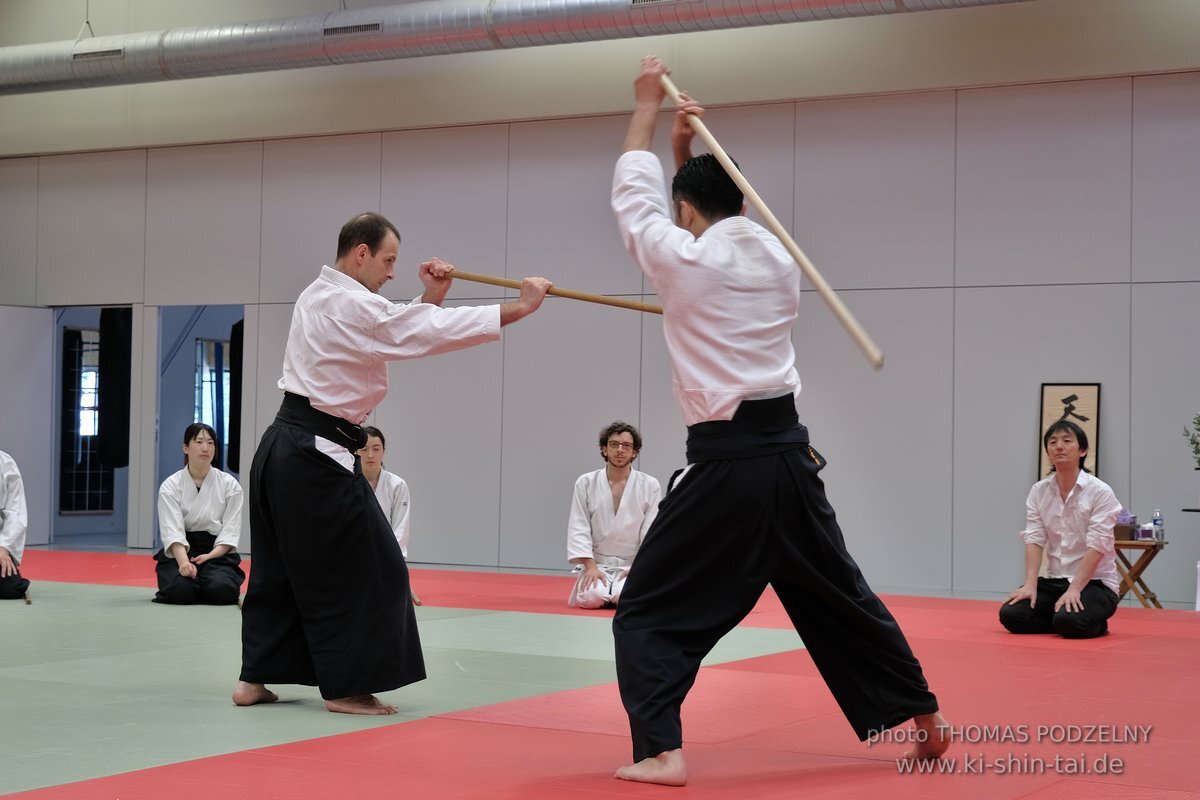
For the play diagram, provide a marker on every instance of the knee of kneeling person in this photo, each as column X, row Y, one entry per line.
column 1073, row 625
column 616, row 592
column 13, row 590
column 1012, row 616
column 226, row 595
column 179, row 593
column 595, row 597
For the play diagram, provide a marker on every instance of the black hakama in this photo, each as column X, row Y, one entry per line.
column 752, row 511
column 328, row 598
column 218, row 581
column 13, row 587
column 1099, row 604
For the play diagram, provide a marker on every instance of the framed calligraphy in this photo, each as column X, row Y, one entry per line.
column 1079, row 403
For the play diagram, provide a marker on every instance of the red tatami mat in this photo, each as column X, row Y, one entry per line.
column 444, row 759
column 759, row 729
column 108, row 569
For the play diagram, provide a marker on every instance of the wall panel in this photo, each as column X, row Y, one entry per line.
column 91, row 233
column 1165, row 396
column 311, row 187
column 203, row 224
column 1042, row 184
column 1166, row 177
column 18, row 227
column 560, row 217
column 447, row 192
column 875, row 189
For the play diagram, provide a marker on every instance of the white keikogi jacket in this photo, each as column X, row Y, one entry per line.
column 13, row 514
column 216, row 508
column 595, row 531
column 392, row 494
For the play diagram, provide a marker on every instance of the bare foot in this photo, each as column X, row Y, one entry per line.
column 359, row 704
column 666, row 769
column 934, row 742
column 249, row 694
column 415, row 600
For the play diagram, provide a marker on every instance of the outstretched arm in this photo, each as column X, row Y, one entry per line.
column 533, row 292
column 437, row 275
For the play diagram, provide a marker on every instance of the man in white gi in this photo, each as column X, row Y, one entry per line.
column 328, row 599
column 749, row 510
column 611, row 510
column 15, row 520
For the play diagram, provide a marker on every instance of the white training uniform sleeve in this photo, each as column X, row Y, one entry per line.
column 579, row 523
column 392, row 494
column 170, row 510
column 12, row 508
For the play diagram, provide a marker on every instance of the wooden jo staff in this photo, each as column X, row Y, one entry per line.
column 508, row 283
column 860, row 336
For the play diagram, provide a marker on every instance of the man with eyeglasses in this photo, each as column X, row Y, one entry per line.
column 610, row 512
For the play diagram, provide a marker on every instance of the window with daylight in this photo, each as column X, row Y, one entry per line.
column 85, row 484
column 212, row 392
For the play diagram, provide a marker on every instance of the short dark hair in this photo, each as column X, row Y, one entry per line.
column 371, row 430
column 194, row 430
column 621, row 427
column 369, row 229
column 1065, row 425
column 705, row 184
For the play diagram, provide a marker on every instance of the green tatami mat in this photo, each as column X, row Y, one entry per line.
column 98, row 680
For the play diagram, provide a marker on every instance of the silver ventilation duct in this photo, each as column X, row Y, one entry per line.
column 399, row 31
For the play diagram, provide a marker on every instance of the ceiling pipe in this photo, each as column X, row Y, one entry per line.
column 437, row 27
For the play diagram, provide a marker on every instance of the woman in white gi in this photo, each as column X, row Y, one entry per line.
column 200, row 523
column 390, row 490
column 13, row 522
column 611, row 511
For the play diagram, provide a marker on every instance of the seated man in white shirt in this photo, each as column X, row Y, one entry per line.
column 13, row 522
column 1069, row 515
column 610, row 512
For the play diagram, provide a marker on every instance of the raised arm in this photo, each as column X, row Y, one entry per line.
column 648, row 94
column 682, row 132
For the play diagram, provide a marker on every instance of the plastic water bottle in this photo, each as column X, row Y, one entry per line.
column 1160, row 528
